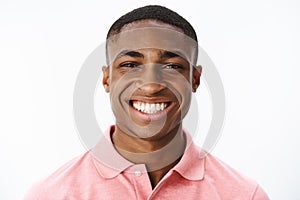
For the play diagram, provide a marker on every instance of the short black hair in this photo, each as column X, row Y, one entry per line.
column 155, row 12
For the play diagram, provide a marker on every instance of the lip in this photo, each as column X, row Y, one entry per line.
column 154, row 116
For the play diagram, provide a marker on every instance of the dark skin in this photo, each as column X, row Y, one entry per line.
column 152, row 75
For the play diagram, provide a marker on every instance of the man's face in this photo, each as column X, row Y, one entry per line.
column 149, row 78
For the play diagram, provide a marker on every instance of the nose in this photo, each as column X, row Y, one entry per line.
column 151, row 81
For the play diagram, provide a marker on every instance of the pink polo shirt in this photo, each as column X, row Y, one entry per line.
column 102, row 173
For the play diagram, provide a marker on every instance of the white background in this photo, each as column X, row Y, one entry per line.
column 254, row 44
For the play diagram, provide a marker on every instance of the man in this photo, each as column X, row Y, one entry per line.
column 150, row 74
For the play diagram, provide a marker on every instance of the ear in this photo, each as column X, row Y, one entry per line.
column 196, row 77
column 106, row 78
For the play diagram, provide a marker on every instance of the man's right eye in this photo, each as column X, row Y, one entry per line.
column 129, row 65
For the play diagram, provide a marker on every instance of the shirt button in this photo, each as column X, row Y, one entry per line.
column 137, row 173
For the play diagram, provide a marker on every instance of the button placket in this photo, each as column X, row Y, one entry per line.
column 140, row 180
column 137, row 173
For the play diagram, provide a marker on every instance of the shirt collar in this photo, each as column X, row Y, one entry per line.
column 192, row 165
column 109, row 163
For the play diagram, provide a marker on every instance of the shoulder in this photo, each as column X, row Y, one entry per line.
column 63, row 181
column 230, row 181
column 218, row 169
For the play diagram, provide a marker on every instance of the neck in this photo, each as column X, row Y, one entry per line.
column 158, row 155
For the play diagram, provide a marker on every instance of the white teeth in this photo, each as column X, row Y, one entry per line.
column 157, row 106
column 149, row 108
column 142, row 106
column 152, row 108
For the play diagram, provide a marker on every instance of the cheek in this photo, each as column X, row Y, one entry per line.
column 180, row 80
column 184, row 92
column 119, row 83
column 186, row 98
column 122, row 87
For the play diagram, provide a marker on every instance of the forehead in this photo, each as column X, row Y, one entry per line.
column 150, row 34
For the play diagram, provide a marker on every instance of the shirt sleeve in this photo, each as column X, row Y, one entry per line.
column 260, row 194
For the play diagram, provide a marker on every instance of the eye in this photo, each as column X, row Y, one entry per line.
column 129, row 65
column 172, row 66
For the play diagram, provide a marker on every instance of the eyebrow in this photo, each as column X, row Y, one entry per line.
column 130, row 53
column 172, row 54
column 163, row 54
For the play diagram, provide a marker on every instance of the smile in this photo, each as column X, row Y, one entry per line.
column 149, row 108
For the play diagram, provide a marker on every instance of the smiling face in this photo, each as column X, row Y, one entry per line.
column 150, row 78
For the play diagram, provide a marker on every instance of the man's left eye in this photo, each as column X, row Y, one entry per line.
column 172, row 66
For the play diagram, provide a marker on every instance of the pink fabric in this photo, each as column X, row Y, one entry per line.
column 103, row 174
